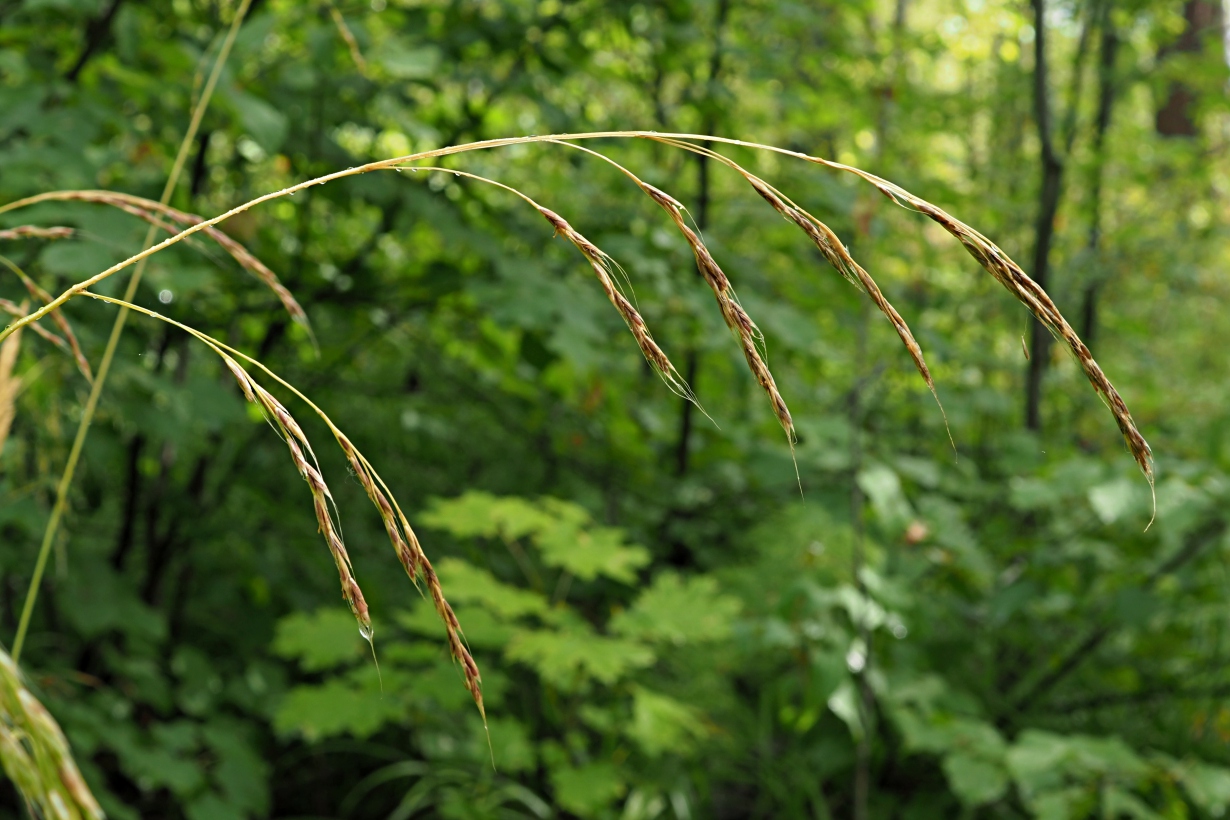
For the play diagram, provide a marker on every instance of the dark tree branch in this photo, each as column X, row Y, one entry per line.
column 691, row 365
column 132, row 495
column 1050, row 192
column 200, row 167
column 1044, row 230
column 96, row 33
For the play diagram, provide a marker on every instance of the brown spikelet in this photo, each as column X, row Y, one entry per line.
column 1009, row 274
column 69, row 341
column 297, row 442
column 408, row 556
column 603, row 266
column 835, row 252
column 35, row 232
column 732, row 312
column 149, row 211
column 414, row 560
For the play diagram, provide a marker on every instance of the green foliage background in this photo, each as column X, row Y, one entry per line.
column 660, row 635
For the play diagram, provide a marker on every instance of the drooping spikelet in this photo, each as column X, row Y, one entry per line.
column 297, row 443
column 735, row 316
column 414, row 560
column 1009, row 274
column 603, row 267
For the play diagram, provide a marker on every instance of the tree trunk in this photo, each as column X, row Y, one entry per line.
column 1106, row 99
column 1176, row 118
column 1044, row 231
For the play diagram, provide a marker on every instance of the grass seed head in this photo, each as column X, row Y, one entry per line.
column 297, row 442
column 736, row 318
column 602, row 266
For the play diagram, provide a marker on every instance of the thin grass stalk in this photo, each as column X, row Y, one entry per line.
column 348, row 37
column 117, row 330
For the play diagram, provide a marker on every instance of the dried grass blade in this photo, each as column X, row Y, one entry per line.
column 606, row 270
column 35, row 232
column 297, row 442
column 837, row 255
column 149, row 210
column 10, row 385
column 69, row 341
column 415, row 562
column 35, row 755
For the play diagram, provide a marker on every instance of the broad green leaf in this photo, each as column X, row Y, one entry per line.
column 1117, row 802
column 844, row 704
column 479, row 627
column 883, row 488
column 464, row 583
column 264, row 123
column 476, row 514
column 1208, row 786
column 677, row 610
column 588, row 553
column 334, row 708
column 211, row 806
column 975, row 779
column 405, row 61
column 319, row 640
column 1113, row 500
column 568, row 657
column 586, row 790
column 661, row 724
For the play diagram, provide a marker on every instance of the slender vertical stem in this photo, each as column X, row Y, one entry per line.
column 866, row 704
column 117, row 330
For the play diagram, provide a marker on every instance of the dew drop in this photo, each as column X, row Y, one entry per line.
column 366, row 632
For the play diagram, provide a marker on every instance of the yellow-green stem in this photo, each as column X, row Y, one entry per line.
column 117, row 330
